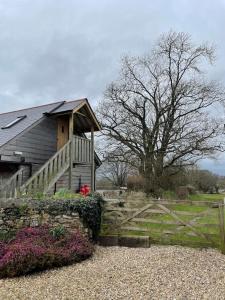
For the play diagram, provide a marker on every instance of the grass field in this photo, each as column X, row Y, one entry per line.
column 198, row 197
column 163, row 228
column 207, row 197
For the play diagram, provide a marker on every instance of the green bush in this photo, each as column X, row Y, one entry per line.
column 90, row 210
column 58, row 232
column 88, row 207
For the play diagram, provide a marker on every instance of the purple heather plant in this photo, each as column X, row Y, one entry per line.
column 35, row 249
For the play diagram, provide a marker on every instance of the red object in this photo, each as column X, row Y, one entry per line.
column 85, row 190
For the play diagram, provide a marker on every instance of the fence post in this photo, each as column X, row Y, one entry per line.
column 92, row 161
column 221, row 224
column 71, row 127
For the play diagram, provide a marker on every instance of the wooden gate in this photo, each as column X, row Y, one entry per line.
column 191, row 223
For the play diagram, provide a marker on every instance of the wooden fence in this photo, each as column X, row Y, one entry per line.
column 191, row 223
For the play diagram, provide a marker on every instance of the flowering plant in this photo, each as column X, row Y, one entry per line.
column 85, row 190
column 36, row 249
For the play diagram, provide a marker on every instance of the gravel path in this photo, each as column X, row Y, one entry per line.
column 160, row 272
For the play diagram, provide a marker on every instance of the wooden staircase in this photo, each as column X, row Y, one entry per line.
column 78, row 150
column 10, row 188
column 45, row 178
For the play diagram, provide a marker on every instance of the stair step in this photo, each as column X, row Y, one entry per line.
column 44, row 179
column 56, row 178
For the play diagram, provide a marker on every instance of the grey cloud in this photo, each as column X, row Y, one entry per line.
column 59, row 49
column 52, row 49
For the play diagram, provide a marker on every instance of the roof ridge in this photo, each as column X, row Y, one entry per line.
column 62, row 101
column 13, row 111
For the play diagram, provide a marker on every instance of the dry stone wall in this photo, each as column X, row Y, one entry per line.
column 20, row 213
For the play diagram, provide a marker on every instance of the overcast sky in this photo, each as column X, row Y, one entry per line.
column 52, row 50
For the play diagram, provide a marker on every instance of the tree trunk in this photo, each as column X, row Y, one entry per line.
column 152, row 175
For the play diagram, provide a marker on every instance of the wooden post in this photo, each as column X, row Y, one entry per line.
column 221, row 224
column 92, row 160
column 71, row 121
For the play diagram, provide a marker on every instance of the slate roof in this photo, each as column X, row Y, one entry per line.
column 68, row 106
column 33, row 114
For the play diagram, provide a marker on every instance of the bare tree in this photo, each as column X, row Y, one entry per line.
column 113, row 169
column 115, row 172
column 158, row 113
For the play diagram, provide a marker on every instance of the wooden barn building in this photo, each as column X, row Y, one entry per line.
column 45, row 148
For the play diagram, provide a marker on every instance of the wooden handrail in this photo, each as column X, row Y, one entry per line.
column 9, row 189
column 50, row 171
column 45, row 165
column 11, row 179
column 81, row 138
column 76, row 150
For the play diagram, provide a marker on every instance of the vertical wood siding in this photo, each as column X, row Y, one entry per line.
column 79, row 171
column 37, row 144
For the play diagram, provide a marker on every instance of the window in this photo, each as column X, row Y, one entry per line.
column 18, row 119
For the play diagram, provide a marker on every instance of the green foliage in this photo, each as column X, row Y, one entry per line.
column 58, row 232
column 38, row 195
column 65, row 194
column 6, row 236
column 35, row 195
column 90, row 210
column 60, row 194
column 23, row 208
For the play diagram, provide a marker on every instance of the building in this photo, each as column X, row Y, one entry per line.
column 45, row 148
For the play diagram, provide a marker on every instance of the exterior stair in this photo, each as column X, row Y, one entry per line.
column 78, row 150
column 10, row 188
column 45, row 178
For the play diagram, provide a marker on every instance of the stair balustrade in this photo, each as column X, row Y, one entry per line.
column 9, row 189
column 44, row 179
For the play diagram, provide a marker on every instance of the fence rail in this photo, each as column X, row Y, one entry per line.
column 189, row 223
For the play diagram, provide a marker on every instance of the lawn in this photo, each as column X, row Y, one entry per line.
column 164, row 228
column 207, row 197
column 170, row 195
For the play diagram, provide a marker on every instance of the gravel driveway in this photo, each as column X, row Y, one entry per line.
column 160, row 272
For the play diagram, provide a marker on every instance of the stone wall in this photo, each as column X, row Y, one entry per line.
column 16, row 214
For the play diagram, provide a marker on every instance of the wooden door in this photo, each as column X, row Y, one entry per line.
column 63, row 132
